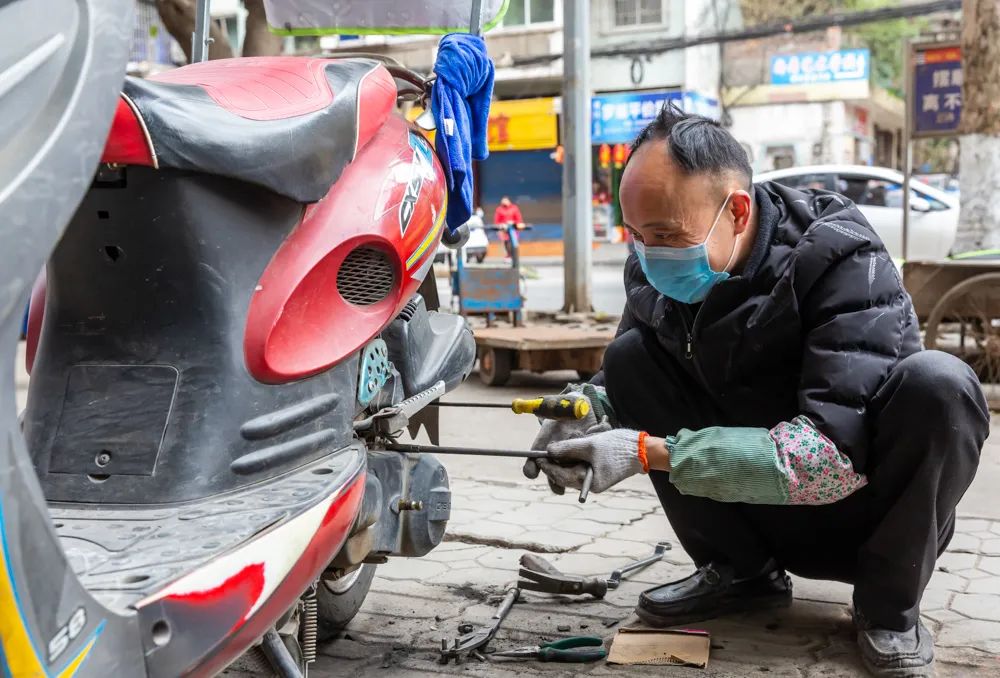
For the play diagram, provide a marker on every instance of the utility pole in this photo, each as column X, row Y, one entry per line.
column 201, row 38
column 578, row 229
column 979, row 214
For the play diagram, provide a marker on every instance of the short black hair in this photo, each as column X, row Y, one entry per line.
column 696, row 143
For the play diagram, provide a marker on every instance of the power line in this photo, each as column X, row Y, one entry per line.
column 801, row 25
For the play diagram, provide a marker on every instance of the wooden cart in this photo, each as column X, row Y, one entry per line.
column 542, row 346
column 958, row 301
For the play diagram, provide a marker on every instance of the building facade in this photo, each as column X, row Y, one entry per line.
column 809, row 99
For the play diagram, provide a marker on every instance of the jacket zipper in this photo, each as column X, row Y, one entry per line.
column 690, row 328
column 688, row 331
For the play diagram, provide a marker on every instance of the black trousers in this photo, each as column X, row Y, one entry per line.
column 885, row 538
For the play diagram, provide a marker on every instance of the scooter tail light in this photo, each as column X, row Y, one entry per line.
column 128, row 141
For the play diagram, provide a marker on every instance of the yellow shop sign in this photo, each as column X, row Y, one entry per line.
column 518, row 125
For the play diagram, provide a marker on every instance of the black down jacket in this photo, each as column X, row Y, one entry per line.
column 813, row 325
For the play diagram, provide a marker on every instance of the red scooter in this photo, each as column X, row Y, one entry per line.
column 224, row 338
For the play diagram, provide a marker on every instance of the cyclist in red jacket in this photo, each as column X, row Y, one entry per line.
column 507, row 214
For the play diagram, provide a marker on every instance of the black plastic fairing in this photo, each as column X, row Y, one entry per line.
column 139, row 391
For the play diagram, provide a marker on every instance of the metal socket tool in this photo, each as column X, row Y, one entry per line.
column 538, row 574
column 413, row 448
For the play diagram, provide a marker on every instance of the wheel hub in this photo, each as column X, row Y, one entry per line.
column 343, row 584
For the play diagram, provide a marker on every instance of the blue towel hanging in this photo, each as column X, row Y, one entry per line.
column 460, row 103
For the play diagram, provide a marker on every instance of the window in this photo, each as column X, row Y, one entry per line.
column 779, row 157
column 934, row 204
column 629, row 13
column 882, row 193
column 894, row 198
column 854, row 189
column 823, row 181
column 525, row 12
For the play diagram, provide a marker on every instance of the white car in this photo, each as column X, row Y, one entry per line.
column 878, row 193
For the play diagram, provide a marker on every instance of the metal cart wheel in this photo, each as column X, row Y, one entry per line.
column 966, row 323
column 495, row 365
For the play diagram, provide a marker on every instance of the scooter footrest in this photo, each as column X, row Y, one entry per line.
column 123, row 554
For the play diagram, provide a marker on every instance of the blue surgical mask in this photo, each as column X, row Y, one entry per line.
column 683, row 273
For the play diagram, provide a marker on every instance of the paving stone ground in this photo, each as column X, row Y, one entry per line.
column 416, row 602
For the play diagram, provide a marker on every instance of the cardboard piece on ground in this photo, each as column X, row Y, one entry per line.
column 659, row 647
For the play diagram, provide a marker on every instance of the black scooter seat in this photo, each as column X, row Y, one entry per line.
column 289, row 124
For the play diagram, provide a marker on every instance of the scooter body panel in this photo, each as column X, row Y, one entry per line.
column 353, row 263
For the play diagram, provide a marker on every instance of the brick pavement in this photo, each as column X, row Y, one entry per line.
column 416, row 602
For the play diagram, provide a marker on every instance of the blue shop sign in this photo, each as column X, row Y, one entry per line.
column 809, row 68
column 618, row 118
column 937, row 90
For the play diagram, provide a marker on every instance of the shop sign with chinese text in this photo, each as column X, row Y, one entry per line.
column 523, row 125
column 936, row 103
column 617, row 118
column 809, row 68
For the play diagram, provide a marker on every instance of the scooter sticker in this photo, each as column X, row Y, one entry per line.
column 20, row 655
column 67, row 633
column 421, row 164
column 431, row 237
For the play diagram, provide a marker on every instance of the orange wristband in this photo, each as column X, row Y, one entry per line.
column 642, row 451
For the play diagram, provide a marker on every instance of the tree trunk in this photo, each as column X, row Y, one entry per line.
column 178, row 19
column 979, row 225
column 259, row 40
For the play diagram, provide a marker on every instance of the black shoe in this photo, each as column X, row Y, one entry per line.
column 898, row 654
column 713, row 591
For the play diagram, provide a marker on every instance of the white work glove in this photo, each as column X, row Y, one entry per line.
column 613, row 454
column 555, row 430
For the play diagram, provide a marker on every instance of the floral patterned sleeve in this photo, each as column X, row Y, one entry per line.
column 793, row 463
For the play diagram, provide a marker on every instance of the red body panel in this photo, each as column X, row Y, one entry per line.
column 229, row 603
column 128, row 143
column 321, row 549
column 376, row 101
column 36, row 312
column 393, row 198
column 259, row 88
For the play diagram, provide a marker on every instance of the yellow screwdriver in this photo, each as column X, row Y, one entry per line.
column 567, row 406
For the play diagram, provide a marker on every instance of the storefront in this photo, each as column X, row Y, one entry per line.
column 523, row 135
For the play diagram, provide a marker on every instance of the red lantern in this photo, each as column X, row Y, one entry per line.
column 621, row 153
column 604, row 155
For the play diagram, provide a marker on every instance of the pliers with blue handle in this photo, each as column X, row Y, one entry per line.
column 576, row 650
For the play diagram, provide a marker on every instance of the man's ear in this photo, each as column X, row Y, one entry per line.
column 740, row 206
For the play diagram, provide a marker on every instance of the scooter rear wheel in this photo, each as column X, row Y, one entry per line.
column 339, row 600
